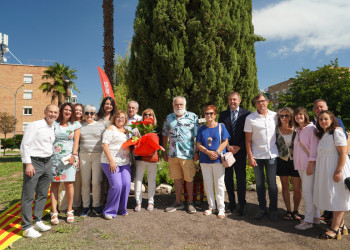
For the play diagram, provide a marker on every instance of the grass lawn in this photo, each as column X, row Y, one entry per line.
column 11, row 176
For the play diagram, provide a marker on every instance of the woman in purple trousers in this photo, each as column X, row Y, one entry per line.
column 115, row 163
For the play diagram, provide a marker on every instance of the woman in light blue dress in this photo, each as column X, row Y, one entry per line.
column 65, row 159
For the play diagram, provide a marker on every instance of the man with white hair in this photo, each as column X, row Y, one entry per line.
column 181, row 128
column 133, row 108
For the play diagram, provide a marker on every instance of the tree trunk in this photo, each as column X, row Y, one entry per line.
column 108, row 47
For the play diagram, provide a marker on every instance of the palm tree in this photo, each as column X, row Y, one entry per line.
column 59, row 82
column 108, row 47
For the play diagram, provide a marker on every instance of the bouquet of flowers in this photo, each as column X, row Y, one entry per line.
column 144, row 138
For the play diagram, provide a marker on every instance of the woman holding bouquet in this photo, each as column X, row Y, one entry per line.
column 115, row 162
column 67, row 132
column 211, row 143
column 149, row 162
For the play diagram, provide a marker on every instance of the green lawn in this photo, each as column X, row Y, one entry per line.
column 11, row 176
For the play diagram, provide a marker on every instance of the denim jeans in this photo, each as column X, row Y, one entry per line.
column 271, row 168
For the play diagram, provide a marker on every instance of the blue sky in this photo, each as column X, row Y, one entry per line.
column 299, row 34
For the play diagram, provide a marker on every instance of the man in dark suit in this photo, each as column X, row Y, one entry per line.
column 234, row 119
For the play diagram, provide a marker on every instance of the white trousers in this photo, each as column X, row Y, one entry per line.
column 91, row 173
column 151, row 177
column 307, row 182
column 217, row 172
column 62, row 200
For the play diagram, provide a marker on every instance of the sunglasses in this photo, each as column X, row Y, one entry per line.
column 284, row 116
column 209, row 113
column 148, row 114
column 89, row 113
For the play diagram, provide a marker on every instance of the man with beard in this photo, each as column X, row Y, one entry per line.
column 180, row 128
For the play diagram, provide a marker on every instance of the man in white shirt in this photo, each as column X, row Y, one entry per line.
column 36, row 151
column 133, row 108
column 260, row 134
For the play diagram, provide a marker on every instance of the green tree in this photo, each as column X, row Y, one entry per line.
column 201, row 49
column 121, row 92
column 108, row 35
column 330, row 82
column 59, row 82
column 7, row 124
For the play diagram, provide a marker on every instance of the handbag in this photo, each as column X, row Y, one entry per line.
column 227, row 159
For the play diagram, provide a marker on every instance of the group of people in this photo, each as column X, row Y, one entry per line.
column 78, row 146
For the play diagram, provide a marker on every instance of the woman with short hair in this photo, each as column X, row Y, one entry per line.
column 90, row 160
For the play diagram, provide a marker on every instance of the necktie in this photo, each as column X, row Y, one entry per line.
column 234, row 120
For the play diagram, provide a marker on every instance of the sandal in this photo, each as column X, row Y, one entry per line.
column 344, row 230
column 137, row 208
column 208, row 212
column 295, row 215
column 336, row 236
column 221, row 215
column 54, row 221
column 288, row 216
column 70, row 219
column 150, row 207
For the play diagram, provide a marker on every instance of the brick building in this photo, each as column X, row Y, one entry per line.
column 30, row 100
column 276, row 90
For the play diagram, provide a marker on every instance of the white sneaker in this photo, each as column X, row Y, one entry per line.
column 108, row 217
column 41, row 227
column 304, row 225
column 31, row 233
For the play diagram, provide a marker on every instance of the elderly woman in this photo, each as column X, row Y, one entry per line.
column 304, row 159
column 149, row 162
column 285, row 134
column 211, row 143
column 62, row 200
column 106, row 110
column 64, row 159
column 90, row 160
column 115, row 162
column 332, row 168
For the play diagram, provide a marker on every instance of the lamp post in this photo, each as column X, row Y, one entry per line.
column 15, row 95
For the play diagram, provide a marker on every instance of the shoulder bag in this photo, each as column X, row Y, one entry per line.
column 227, row 159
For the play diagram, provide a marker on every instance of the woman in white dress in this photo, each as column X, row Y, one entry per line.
column 332, row 167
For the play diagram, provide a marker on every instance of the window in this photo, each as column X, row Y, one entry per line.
column 271, row 96
column 27, row 94
column 28, row 78
column 25, row 124
column 284, row 91
column 276, row 94
column 27, row 110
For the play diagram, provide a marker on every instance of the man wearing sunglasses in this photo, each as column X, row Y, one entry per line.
column 234, row 118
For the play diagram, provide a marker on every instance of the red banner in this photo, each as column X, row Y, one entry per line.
column 106, row 85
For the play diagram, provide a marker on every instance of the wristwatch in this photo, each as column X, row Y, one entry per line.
column 217, row 151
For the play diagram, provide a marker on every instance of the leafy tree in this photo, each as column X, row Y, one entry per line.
column 108, row 35
column 330, row 82
column 201, row 49
column 59, row 82
column 7, row 124
column 121, row 89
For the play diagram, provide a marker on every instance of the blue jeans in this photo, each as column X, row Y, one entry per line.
column 271, row 168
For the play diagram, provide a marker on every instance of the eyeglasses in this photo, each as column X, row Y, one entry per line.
column 260, row 102
column 148, row 114
column 89, row 113
column 120, row 118
column 209, row 113
column 284, row 116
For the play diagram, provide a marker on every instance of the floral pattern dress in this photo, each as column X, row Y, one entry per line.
column 63, row 146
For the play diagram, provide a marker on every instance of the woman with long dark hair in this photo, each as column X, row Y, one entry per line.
column 332, row 167
column 106, row 110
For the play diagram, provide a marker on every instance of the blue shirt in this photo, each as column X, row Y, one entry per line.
column 181, row 133
column 203, row 133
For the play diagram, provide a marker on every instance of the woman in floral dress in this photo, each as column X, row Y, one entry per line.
column 67, row 132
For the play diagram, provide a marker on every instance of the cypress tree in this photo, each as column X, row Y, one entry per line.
column 201, row 49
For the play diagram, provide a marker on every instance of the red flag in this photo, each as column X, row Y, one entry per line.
column 106, row 85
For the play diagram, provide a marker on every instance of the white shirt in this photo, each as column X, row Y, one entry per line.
column 37, row 141
column 134, row 119
column 232, row 113
column 263, row 131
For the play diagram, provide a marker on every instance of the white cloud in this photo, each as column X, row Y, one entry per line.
column 319, row 25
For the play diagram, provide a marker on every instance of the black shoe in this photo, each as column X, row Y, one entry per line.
column 230, row 208
column 241, row 211
column 260, row 214
column 97, row 210
column 274, row 216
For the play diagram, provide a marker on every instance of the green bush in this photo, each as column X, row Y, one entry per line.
column 8, row 143
column 18, row 140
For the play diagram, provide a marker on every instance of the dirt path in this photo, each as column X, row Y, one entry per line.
column 179, row 230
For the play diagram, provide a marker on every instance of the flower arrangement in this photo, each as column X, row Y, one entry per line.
column 144, row 138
